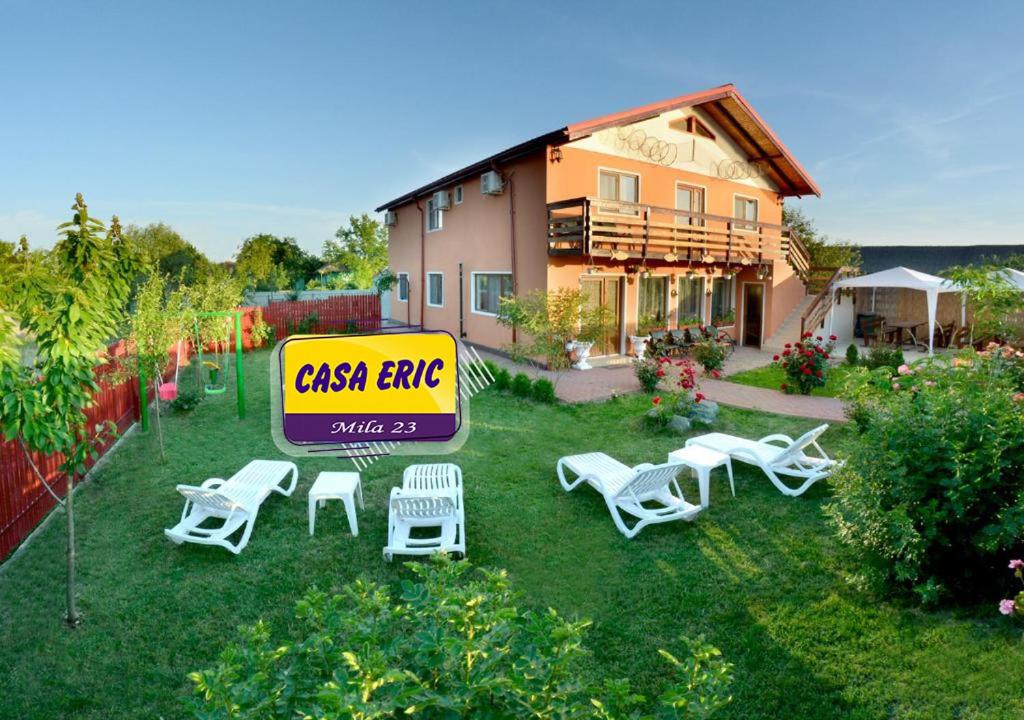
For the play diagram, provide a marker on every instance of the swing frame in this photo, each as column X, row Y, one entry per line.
column 239, row 372
column 212, row 388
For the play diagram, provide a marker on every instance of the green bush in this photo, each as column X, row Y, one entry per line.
column 932, row 496
column 543, row 390
column 884, row 356
column 454, row 644
column 502, row 379
column 805, row 363
column 852, row 355
column 521, row 385
column 186, row 401
column 490, row 369
column 648, row 372
column 710, row 353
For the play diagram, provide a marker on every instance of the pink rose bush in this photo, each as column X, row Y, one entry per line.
column 1014, row 605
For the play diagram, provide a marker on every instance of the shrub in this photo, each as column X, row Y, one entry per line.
column 186, row 401
column 521, row 385
column 681, row 402
column 490, row 369
column 543, row 390
column 649, row 372
column 502, row 379
column 884, row 356
column 805, row 363
column 852, row 355
column 710, row 352
column 454, row 644
column 260, row 332
column 1015, row 604
column 932, row 495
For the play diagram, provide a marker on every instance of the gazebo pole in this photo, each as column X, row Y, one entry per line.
column 933, row 301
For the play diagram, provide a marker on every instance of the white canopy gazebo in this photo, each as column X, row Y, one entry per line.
column 901, row 277
column 1015, row 277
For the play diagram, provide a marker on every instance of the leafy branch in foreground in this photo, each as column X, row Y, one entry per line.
column 453, row 644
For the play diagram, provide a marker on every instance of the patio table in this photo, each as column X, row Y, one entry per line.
column 909, row 325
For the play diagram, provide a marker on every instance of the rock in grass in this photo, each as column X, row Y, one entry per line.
column 706, row 411
column 679, row 425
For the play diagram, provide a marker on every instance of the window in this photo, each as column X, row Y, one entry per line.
column 744, row 208
column 723, row 301
column 435, row 289
column 488, row 289
column 403, row 287
column 652, row 312
column 434, row 216
column 691, row 300
column 618, row 186
column 457, row 194
column 693, row 126
column 689, row 198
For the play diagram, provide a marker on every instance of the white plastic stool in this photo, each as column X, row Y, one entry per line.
column 344, row 486
column 702, row 461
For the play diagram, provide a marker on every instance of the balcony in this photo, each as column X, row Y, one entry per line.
column 620, row 231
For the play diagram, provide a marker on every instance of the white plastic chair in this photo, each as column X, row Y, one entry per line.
column 235, row 502
column 626, row 489
column 430, row 497
column 776, row 455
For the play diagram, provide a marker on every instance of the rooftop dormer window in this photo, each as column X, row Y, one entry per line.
column 694, row 126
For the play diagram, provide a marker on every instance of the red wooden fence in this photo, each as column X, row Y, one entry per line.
column 23, row 499
column 337, row 314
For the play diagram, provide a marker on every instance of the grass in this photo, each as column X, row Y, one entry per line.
column 772, row 377
column 762, row 576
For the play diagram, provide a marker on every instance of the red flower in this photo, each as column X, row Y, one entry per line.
column 661, row 373
column 806, row 371
column 775, row 358
column 715, row 374
column 807, row 334
column 818, row 373
column 789, row 345
column 825, row 355
column 818, row 338
column 786, row 353
column 783, row 386
column 656, row 400
column 698, row 397
column 833, row 338
column 663, row 360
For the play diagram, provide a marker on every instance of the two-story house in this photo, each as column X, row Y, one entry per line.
column 668, row 214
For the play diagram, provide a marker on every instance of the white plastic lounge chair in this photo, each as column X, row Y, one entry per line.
column 626, row 489
column 776, row 455
column 234, row 501
column 430, row 497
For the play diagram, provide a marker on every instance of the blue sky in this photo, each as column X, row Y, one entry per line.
column 228, row 118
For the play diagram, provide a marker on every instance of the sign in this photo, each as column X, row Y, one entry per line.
column 401, row 387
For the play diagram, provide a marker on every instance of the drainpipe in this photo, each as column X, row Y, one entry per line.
column 423, row 265
column 506, row 178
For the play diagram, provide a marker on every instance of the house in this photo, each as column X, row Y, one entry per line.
column 667, row 214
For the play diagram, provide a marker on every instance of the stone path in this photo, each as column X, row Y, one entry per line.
column 604, row 382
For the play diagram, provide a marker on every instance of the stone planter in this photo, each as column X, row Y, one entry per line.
column 581, row 351
column 639, row 343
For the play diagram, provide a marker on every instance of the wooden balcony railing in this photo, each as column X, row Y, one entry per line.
column 623, row 231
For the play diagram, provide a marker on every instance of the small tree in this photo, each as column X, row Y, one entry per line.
column 218, row 292
column 549, row 320
column 825, row 252
column 995, row 302
column 70, row 304
column 359, row 250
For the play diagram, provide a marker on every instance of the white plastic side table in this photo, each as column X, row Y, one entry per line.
column 702, row 461
column 344, row 486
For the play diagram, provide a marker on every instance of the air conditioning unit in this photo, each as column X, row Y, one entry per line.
column 390, row 218
column 442, row 200
column 490, row 183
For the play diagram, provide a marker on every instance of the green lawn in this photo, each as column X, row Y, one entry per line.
column 772, row 377
column 761, row 575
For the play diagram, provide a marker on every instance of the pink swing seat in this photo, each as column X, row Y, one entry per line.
column 168, row 390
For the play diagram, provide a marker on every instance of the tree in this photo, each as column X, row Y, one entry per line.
column 267, row 262
column 70, row 304
column 159, row 245
column 360, row 250
column 995, row 302
column 824, row 251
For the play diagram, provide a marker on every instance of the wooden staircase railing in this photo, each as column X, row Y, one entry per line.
column 814, row 314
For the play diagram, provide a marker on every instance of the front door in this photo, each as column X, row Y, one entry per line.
column 605, row 292
column 753, row 313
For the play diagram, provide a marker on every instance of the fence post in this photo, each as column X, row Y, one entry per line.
column 143, row 402
column 239, row 372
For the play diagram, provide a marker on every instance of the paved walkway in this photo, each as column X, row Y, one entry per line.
column 601, row 383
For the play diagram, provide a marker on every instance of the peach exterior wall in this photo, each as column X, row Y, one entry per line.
column 577, row 175
column 477, row 234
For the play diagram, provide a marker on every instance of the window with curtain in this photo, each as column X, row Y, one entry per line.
column 653, row 311
column 403, row 286
column 723, row 301
column 435, row 289
column 435, row 216
column 691, row 300
column 618, row 186
column 488, row 289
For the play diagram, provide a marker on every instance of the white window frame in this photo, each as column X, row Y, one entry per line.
column 472, row 289
column 695, row 222
column 440, row 275
column 429, row 213
column 398, row 289
column 739, row 224
column 458, row 194
column 617, row 171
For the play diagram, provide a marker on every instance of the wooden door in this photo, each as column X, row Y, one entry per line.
column 605, row 292
column 753, row 313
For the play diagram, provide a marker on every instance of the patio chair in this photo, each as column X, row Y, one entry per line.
column 430, row 497
column 944, row 335
column 626, row 489
column 234, row 502
column 776, row 455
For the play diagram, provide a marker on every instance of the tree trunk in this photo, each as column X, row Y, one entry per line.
column 159, row 429
column 73, row 618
